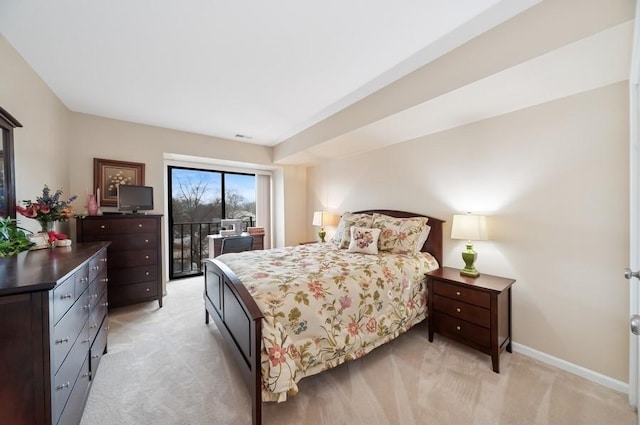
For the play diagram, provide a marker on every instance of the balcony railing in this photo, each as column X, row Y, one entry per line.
column 190, row 246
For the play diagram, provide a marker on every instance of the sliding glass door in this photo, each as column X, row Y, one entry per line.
column 200, row 198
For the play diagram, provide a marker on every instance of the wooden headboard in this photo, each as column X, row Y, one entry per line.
column 433, row 245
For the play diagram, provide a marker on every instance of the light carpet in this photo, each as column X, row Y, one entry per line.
column 166, row 367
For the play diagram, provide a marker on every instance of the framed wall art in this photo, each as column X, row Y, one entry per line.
column 109, row 174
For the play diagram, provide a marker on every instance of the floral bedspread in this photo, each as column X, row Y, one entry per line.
column 323, row 306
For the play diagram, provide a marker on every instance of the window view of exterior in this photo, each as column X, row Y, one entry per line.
column 199, row 200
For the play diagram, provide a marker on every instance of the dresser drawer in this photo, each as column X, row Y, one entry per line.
column 97, row 349
column 122, row 295
column 63, row 297
column 465, row 294
column 97, row 264
column 68, row 328
column 460, row 310
column 461, row 330
column 119, row 225
column 97, row 316
column 128, row 275
column 125, row 242
column 72, row 413
column 82, row 279
column 139, row 257
column 66, row 375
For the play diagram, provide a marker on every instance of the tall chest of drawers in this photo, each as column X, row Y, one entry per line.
column 135, row 254
column 53, row 328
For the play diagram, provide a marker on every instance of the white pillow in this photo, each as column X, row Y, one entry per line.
column 364, row 240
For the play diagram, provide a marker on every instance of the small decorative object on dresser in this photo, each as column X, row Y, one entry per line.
column 473, row 311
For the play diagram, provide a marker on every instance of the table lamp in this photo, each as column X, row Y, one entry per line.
column 472, row 228
column 317, row 221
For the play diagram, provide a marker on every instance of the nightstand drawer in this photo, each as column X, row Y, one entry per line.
column 452, row 307
column 465, row 294
column 462, row 330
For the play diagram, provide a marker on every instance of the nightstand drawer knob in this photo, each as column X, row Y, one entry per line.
column 458, row 310
column 458, row 293
column 457, row 328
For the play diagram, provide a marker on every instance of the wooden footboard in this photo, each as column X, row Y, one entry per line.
column 239, row 320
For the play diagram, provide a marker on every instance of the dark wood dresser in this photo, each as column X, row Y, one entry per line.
column 53, row 332
column 475, row 311
column 135, row 255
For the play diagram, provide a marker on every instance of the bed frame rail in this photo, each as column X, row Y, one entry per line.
column 239, row 320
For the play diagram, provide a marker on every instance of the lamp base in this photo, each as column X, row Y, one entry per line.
column 469, row 257
column 321, row 235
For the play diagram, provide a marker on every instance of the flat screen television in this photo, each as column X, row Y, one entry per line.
column 132, row 198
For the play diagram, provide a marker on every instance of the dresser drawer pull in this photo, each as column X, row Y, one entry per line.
column 86, row 306
column 96, row 267
column 146, row 241
column 458, row 310
column 105, row 304
column 458, row 328
column 86, row 341
column 104, row 260
column 63, row 386
column 65, row 296
column 140, row 225
column 147, row 273
column 458, row 293
column 62, row 340
column 147, row 289
column 106, row 279
column 146, row 257
column 95, row 356
column 95, row 325
column 86, row 375
column 84, row 279
column 103, row 226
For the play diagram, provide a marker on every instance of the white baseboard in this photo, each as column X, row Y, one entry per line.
column 596, row 377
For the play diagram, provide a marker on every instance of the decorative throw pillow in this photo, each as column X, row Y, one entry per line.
column 401, row 235
column 342, row 236
column 364, row 240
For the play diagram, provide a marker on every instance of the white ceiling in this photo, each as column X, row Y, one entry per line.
column 265, row 69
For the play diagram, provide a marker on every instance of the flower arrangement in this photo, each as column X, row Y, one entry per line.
column 47, row 209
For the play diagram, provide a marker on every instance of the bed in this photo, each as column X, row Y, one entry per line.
column 292, row 312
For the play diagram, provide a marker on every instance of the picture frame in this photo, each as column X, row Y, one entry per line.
column 40, row 240
column 108, row 174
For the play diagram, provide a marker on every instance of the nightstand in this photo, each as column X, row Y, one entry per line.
column 473, row 311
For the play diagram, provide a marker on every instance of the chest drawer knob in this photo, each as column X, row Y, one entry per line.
column 146, row 241
column 102, row 226
column 146, row 257
column 458, row 328
column 140, row 225
column 86, row 341
column 65, row 296
column 458, row 293
column 147, row 289
column 62, row 340
column 458, row 310
column 63, row 386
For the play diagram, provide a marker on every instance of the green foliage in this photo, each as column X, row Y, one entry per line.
column 13, row 239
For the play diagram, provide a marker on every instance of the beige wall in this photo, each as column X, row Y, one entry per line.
column 41, row 145
column 554, row 181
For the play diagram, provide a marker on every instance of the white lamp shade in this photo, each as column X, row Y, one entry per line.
column 469, row 226
column 317, row 218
